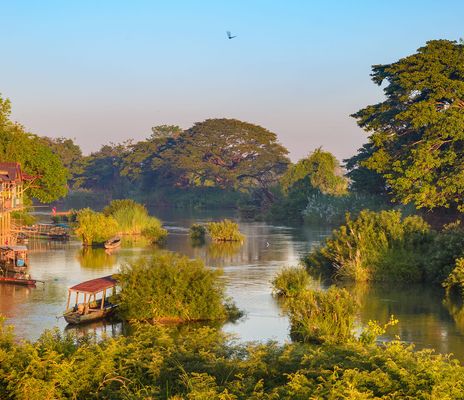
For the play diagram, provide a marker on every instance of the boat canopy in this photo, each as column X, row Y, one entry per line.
column 95, row 285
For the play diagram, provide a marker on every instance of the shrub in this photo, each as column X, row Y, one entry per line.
column 375, row 246
column 169, row 286
column 203, row 364
column 23, row 218
column 318, row 316
column 94, row 227
column 291, row 281
column 225, row 231
column 197, row 232
column 455, row 280
column 133, row 219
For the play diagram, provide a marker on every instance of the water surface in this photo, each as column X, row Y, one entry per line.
column 248, row 270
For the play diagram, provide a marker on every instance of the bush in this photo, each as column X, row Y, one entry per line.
column 133, row 219
column 23, row 218
column 455, row 280
column 94, row 227
column 171, row 287
column 197, row 232
column 225, row 231
column 375, row 246
column 203, row 364
column 291, row 281
column 318, row 316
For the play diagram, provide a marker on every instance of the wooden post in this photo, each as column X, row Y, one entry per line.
column 86, row 306
column 69, row 298
column 77, row 297
column 103, row 299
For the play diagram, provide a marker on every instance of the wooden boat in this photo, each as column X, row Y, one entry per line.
column 96, row 303
column 112, row 243
column 48, row 231
column 18, row 279
column 13, row 258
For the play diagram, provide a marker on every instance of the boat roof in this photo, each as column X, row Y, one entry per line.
column 14, row 248
column 95, row 285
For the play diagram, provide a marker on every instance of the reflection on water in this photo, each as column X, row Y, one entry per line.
column 96, row 258
column 248, row 270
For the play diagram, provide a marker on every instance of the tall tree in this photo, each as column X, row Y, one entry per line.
column 70, row 155
column 417, row 132
column 226, row 153
column 36, row 158
column 320, row 170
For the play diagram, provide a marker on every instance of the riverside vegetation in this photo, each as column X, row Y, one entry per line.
column 326, row 361
column 123, row 217
column 384, row 246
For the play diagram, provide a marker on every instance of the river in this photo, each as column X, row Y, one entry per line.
column 248, row 270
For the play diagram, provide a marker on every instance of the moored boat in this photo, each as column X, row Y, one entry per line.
column 13, row 258
column 112, row 243
column 18, row 279
column 97, row 302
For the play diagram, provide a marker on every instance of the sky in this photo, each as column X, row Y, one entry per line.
column 108, row 70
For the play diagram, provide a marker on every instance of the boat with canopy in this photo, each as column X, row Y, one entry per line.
column 97, row 301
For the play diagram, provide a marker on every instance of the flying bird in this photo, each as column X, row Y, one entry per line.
column 229, row 35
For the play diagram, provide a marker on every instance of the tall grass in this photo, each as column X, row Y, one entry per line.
column 169, row 286
column 133, row 219
column 318, row 316
column 291, row 281
column 379, row 246
column 94, row 227
column 225, row 231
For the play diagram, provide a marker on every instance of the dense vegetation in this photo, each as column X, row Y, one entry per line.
column 133, row 219
column 416, row 141
column 95, row 228
column 383, row 246
column 225, row 231
column 157, row 362
column 290, row 281
column 36, row 158
column 171, row 287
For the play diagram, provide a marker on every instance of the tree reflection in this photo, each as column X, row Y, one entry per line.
column 95, row 258
column 223, row 249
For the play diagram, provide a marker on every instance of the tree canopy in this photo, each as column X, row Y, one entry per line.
column 321, row 170
column 36, row 158
column 417, row 132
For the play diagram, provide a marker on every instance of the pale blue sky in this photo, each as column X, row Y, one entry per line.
column 102, row 71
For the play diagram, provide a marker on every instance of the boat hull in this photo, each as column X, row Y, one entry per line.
column 17, row 281
column 74, row 318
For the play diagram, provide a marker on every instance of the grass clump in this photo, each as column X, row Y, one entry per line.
column 291, row 281
column 376, row 246
column 225, row 231
column 94, row 228
column 133, row 219
column 197, row 232
column 318, row 316
column 172, row 287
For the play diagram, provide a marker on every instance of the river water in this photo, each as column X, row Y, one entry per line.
column 424, row 318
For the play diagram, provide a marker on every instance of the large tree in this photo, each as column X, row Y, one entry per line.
column 225, row 153
column 36, row 158
column 417, row 132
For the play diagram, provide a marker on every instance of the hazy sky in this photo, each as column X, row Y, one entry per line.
column 101, row 71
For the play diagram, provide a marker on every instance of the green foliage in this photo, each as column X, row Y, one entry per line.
column 321, row 169
column 133, row 219
column 197, row 232
column 416, row 133
column 204, row 364
column 225, row 231
column 23, row 218
column 169, row 286
column 318, row 316
column 35, row 157
column 446, row 247
column 291, row 281
column 370, row 334
column 95, row 228
column 374, row 246
column 455, row 280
